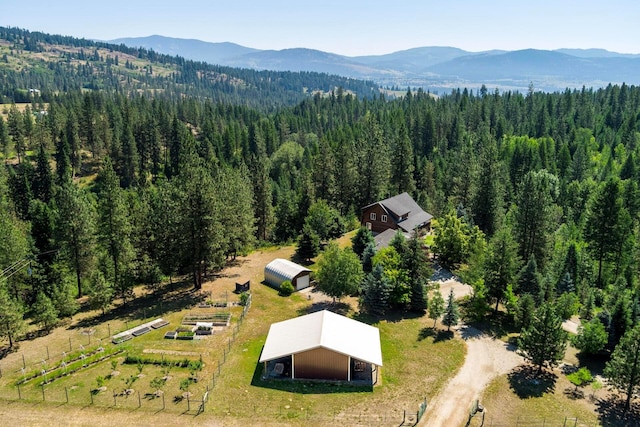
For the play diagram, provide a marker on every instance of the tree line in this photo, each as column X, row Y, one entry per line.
column 536, row 194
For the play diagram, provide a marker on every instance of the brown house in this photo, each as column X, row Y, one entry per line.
column 322, row 346
column 400, row 212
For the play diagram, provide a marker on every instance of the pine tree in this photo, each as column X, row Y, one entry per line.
column 12, row 321
column 543, row 343
column 604, row 229
column 451, row 313
column 100, row 292
column 43, row 178
column 44, row 312
column 501, row 264
column 114, row 227
column 75, row 229
column 623, row 369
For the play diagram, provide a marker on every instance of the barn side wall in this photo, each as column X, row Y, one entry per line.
column 321, row 364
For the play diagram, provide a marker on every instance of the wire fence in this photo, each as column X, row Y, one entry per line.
column 91, row 342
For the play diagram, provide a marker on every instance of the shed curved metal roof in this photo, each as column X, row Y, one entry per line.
column 284, row 268
column 327, row 330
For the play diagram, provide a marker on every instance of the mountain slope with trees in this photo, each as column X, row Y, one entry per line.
column 105, row 189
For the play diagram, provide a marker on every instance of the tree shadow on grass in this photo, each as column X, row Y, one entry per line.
column 611, row 412
column 335, row 307
column 179, row 296
column 304, row 386
column 526, row 381
column 438, row 335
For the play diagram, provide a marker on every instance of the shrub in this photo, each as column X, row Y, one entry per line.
column 244, row 297
column 286, row 288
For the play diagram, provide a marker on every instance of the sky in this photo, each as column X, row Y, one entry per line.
column 346, row 27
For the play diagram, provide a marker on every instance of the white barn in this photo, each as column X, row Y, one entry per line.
column 323, row 346
column 280, row 270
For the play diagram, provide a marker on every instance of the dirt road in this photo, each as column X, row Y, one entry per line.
column 486, row 358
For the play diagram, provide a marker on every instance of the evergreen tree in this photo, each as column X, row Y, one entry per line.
column 367, row 257
column 543, row 343
column 402, row 162
column 44, row 312
column 43, row 178
column 361, row 240
column 487, row 203
column 75, row 230
column 114, row 228
column 501, row 264
column 415, row 262
column 375, row 292
column 529, row 280
column 100, row 292
column 534, row 213
column 12, row 322
column 451, row 313
column 262, row 198
column 308, row 244
column 623, row 370
column 604, row 228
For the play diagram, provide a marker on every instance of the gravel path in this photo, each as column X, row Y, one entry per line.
column 486, row 359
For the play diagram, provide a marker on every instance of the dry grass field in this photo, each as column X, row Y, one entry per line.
column 415, row 366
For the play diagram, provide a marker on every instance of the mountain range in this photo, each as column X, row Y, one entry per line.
column 433, row 68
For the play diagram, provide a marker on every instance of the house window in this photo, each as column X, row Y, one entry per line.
column 384, row 218
column 372, row 216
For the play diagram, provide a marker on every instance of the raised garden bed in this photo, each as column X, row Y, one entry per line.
column 217, row 319
column 159, row 324
column 141, row 331
column 171, row 335
column 185, row 335
column 122, row 339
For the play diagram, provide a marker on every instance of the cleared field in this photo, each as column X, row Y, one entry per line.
column 415, row 366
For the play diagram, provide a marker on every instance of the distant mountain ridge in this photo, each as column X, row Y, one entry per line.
column 435, row 67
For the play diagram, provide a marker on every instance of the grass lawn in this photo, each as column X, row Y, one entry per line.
column 508, row 402
column 415, row 367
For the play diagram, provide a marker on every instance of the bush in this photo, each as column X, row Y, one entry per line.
column 244, row 297
column 286, row 288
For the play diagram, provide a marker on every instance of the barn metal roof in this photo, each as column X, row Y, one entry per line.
column 323, row 329
column 285, row 268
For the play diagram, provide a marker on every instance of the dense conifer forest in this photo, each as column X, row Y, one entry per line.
column 104, row 187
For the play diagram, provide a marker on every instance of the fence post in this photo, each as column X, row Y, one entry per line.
column 19, row 394
column 43, row 392
column 115, row 403
column 70, row 348
column 163, row 401
column 139, row 401
column 48, row 353
column 66, row 393
column 91, row 394
column 24, row 363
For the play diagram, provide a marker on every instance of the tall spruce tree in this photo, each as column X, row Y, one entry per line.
column 451, row 313
column 544, row 342
column 375, row 293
